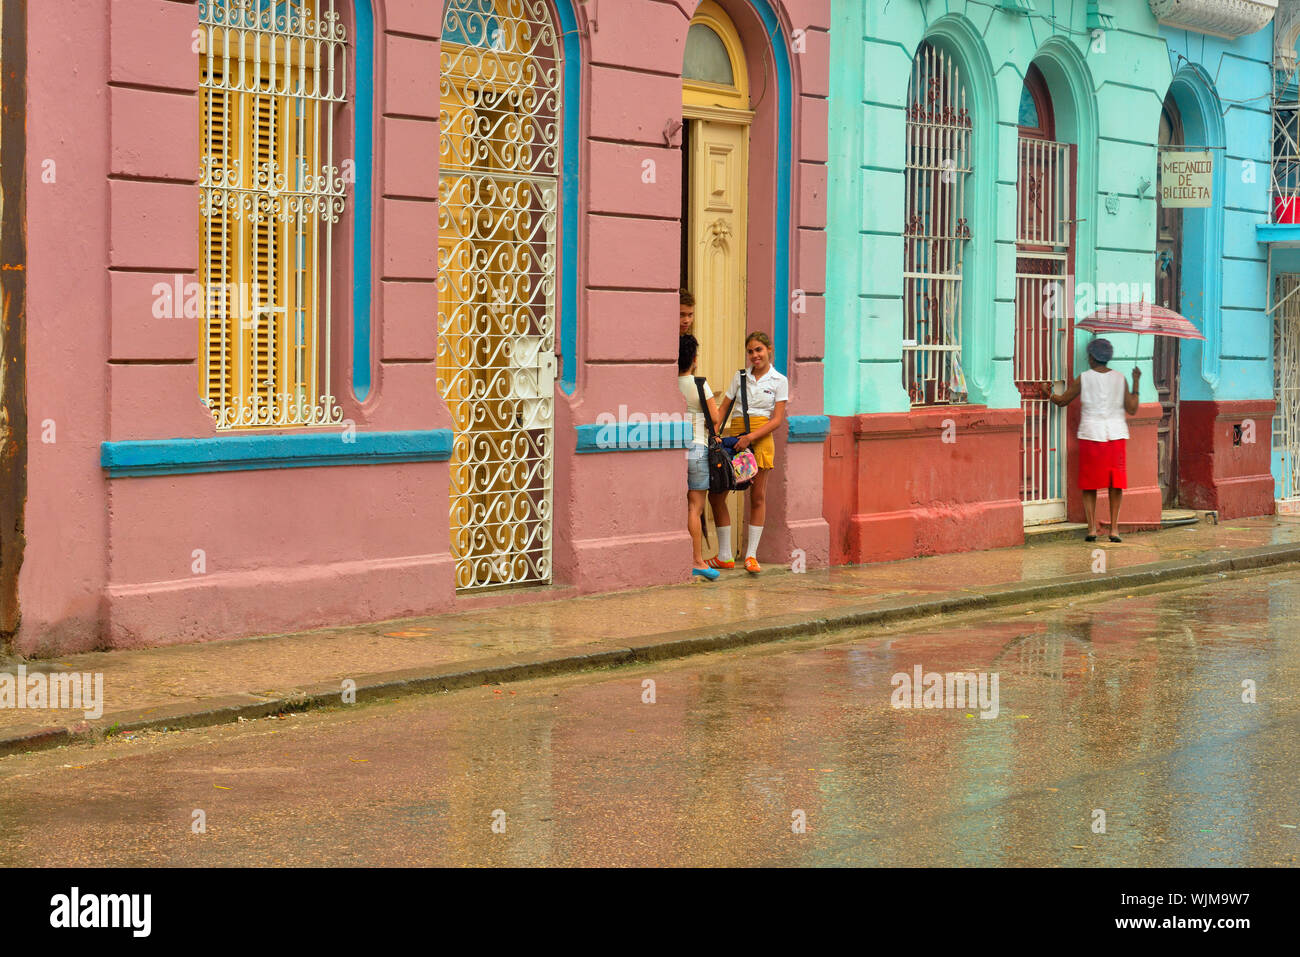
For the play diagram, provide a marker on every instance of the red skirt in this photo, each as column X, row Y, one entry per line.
column 1102, row 464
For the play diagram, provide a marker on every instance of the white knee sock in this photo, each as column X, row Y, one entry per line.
column 755, row 533
column 724, row 543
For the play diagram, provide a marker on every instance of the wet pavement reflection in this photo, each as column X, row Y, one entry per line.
column 1132, row 707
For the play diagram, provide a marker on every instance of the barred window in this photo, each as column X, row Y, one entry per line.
column 1286, row 148
column 935, row 230
column 273, row 80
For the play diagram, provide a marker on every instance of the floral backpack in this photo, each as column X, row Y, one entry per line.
column 744, row 465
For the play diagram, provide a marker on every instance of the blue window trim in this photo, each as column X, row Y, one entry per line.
column 362, row 240
column 784, row 139
column 648, row 436
column 239, row 453
column 632, row 437
column 570, row 185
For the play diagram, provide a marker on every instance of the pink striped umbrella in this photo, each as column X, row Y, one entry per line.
column 1144, row 318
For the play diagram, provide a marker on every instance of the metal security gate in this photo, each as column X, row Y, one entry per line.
column 1044, row 288
column 1286, row 383
column 498, row 191
column 936, row 230
column 272, row 79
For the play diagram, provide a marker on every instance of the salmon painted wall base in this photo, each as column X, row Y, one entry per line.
column 1220, row 468
column 924, row 482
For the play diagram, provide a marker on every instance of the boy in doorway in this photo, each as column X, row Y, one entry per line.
column 686, row 312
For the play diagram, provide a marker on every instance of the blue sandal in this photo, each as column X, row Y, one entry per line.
column 710, row 574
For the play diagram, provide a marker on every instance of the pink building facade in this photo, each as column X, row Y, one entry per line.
column 140, row 522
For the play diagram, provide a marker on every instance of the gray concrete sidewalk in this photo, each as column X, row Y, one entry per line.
column 223, row 681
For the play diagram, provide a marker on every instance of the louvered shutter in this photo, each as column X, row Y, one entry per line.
column 219, row 252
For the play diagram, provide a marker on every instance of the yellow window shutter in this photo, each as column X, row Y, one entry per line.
column 261, row 328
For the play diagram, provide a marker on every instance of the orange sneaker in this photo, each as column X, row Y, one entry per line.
column 751, row 565
column 714, row 563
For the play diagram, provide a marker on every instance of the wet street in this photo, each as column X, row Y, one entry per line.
column 1120, row 738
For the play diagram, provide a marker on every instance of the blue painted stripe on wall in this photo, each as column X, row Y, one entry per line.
column 784, row 139
column 632, row 437
column 362, row 240
column 809, row 428
column 569, row 194
column 237, row 453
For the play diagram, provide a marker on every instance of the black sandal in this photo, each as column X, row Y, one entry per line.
column 1090, row 538
column 1115, row 538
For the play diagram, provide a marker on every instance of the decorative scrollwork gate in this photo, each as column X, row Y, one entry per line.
column 498, row 191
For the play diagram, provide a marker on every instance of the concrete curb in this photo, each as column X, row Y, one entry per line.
column 663, row 647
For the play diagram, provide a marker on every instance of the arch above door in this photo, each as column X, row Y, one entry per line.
column 714, row 72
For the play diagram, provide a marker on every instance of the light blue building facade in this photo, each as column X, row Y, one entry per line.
column 995, row 178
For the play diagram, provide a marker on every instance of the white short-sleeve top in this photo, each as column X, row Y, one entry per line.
column 699, row 424
column 1101, row 397
column 764, row 392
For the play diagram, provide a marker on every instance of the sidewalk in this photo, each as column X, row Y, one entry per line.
column 218, row 682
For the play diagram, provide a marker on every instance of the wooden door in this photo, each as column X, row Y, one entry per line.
column 715, row 236
column 717, row 227
column 1164, row 357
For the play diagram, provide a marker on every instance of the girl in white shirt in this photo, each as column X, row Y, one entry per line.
column 1103, row 431
column 768, row 391
column 697, row 454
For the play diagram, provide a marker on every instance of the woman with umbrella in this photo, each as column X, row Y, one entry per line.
column 1105, row 401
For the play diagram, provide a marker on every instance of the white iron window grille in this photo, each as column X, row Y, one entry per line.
column 499, row 191
column 1285, row 179
column 1286, row 387
column 936, row 229
column 1044, row 224
column 273, row 77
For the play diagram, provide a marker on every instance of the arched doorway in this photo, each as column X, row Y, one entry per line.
column 1164, row 357
column 715, row 183
column 716, row 118
column 1045, row 222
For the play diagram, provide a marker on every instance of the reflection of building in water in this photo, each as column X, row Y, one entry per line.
column 1050, row 654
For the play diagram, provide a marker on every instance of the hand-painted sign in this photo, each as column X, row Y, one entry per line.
column 1186, row 178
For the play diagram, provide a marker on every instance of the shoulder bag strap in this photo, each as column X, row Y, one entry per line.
column 744, row 397
column 704, row 407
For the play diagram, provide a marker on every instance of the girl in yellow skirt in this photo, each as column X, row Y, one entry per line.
column 768, row 391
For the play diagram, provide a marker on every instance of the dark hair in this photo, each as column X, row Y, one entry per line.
column 761, row 337
column 686, row 298
column 1100, row 351
column 688, row 348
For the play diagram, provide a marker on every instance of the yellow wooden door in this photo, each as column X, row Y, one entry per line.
column 718, row 185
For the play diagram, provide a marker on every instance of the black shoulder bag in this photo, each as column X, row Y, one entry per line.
column 721, row 477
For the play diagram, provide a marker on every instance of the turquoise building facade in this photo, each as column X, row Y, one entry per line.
column 912, row 469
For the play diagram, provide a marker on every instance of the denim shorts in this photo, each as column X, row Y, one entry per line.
column 697, row 468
